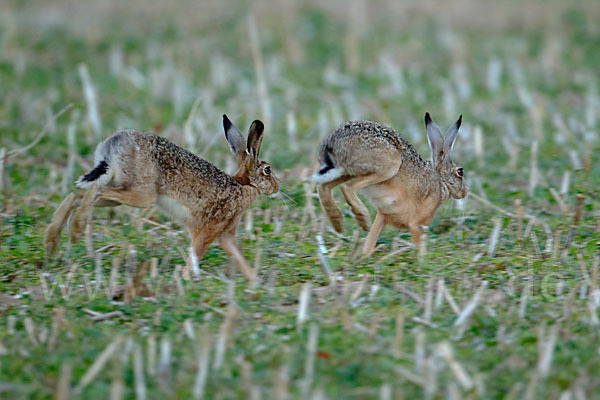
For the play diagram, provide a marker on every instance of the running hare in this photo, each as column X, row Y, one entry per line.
column 141, row 169
column 405, row 189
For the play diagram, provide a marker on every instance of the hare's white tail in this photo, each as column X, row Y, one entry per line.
column 326, row 174
column 101, row 174
column 328, row 171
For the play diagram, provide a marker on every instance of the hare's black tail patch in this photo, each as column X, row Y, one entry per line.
column 328, row 170
column 99, row 171
column 96, row 173
column 328, row 163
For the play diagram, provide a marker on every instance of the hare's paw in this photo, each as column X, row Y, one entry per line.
column 77, row 224
column 362, row 215
column 337, row 220
column 52, row 237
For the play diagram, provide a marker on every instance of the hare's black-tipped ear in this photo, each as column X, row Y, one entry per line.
column 451, row 138
column 427, row 118
column 436, row 140
column 233, row 135
column 255, row 135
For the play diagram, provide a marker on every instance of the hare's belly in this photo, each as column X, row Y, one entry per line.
column 386, row 200
column 173, row 208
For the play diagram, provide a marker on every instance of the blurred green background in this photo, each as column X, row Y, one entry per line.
column 524, row 75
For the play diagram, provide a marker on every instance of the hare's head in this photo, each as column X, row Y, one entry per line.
column 251, row 170
column 452, row 174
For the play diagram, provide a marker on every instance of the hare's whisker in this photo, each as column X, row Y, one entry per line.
column 287, row 196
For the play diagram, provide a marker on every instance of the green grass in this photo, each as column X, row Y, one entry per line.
column 540, row 300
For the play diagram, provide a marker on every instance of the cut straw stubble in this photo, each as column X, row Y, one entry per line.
column 262, row 90
column 303, row 302
column 203, row 362
column 493, row 241
column 457, row 369
column 3, row 179
column 57, row 319
column 163, row 371
column 98, row 364
column 469, row 309
column 225, row 333
column 63, row 387
column 138, row 372
column 309, row 366
column 91, row 100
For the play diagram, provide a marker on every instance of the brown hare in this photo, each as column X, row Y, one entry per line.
column 140, row 169
column 405, row 189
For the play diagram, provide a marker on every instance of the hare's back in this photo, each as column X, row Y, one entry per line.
column 366, row 134
column 361, row 147
column 148, row 157
column 184, row 172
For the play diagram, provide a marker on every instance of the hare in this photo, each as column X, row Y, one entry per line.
column 140, row 169
column 405, row 189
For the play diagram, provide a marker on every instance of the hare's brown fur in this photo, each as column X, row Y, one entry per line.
column 405, row 189
column 141, row 169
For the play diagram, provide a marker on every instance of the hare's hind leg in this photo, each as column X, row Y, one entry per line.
column 83, row 214
column 350, row 188
column 134, row 198
column 100, row 202
column 332, row 211
column 59, row 219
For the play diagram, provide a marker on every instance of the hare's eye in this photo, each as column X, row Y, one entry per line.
column 459, row 172
column 267, row 170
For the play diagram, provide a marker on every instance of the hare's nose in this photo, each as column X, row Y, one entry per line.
column 464, row 192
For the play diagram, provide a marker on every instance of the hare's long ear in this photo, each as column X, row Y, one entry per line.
column 436, row 141
column 233, row 135
column 451, row 138
column 255, row 135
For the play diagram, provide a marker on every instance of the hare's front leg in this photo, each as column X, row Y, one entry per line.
column 227, row 242
column 200, row 242
column 418, row 233
column 374, row 233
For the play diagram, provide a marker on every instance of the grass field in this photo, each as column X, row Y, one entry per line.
column 504, row 303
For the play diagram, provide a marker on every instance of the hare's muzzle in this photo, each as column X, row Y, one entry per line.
column 463, row 192
column 275, row 187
